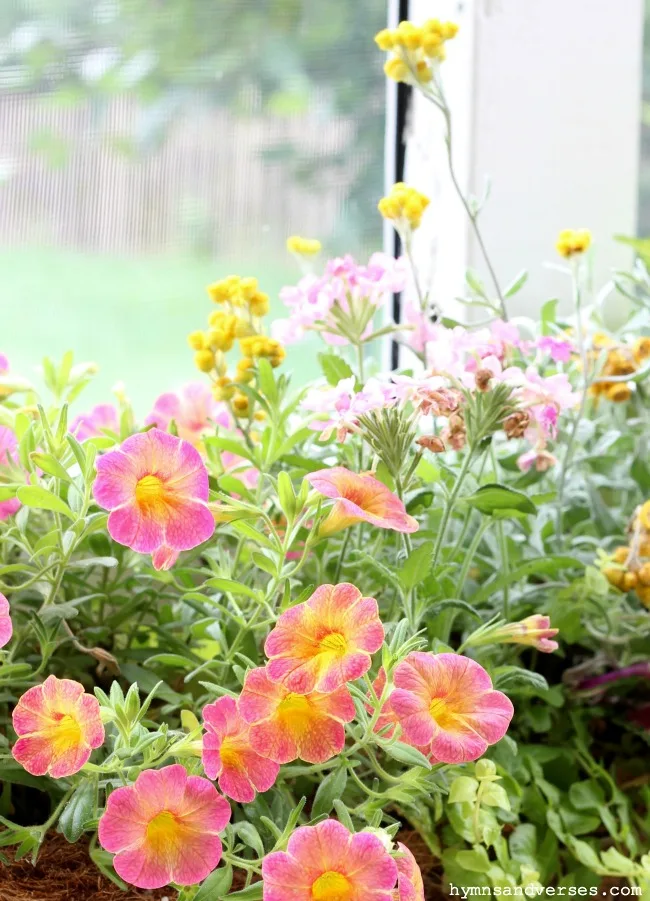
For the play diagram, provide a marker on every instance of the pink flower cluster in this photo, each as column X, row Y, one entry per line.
column 346, row 284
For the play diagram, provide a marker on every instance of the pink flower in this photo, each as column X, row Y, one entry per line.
column 534, row 630
column 4, row 364
column 326, row 641
column 409, row 880
column 8, row 456
column 446, row 701
column 285, row 726
column 328, row 863
column 6, row 626
column 558, row 349
column 164, row 828
column 359, row 498
column 58, row 725
column 229, row 755
column 156, row 487
column 193, row 409
column 102, row 418
column 538, row 457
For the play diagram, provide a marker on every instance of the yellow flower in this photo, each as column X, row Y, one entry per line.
column 259, row 304
column 196, row 340
column 641, row 349
column 245, row 370
column 240, row 404
column 396, row 69
column 573, row 241
column 223, row 388
column 618, row 392
column 305, row 247
column 404, row 206
column 204, row 360
column 415, row 48
column 384, row 40
column 218, row 339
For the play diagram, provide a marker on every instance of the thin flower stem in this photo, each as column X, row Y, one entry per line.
column 471, row 553
column 449, row 507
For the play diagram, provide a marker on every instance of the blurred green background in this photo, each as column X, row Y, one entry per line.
column 150, row 149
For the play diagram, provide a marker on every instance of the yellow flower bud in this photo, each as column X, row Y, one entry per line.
column 641, row 349
column 259, row 304
column 223, row 388
column 240, row 404
column 408, row 35
column 196, row 340
column 404, row 205
column 384, row 39
column 423, row 72
column 204, row 360
column 245, row 370
column 219, row 339
column 573, row 241
column 618, row 392
column 396, row 69
column 306, row 247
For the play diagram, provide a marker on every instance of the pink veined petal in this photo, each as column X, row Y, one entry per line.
column 88, row 715
column 411, row 886
column 322, row 847
column 124, row 823
column 457, row 746
column 338, row 704
column 272, row 741
column 116, row 479
column 162, row 789
column 290, row 627
column 368, row 861
column 211, row 755
column 71, row 762
column 324, row 740
column 188, row 524
column 260, row 696
column 296, row 674
column 262, row 772
column 347, row 669
column 143, row 869
column 199, row 856
column 413, row 716
column 6, row 625
column 33, row 753
column 285, row 879
column 235, row 782
column 164, row 557
column 57, row 692
column 490, row 715
column 205, row 810
column 131, row 526
column 191, row 476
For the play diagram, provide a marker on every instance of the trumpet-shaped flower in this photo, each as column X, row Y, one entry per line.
column 6, row 626
column 286, row 726
column 359, row 498
column 92, row 425
column 409, row 880
column 58, row 725
column 326, row 641
column 446, row 702
column 156, row 487
column 164, row 828
column 229, row 756
column 193, row 409
column 328, row 863
column 534, row 630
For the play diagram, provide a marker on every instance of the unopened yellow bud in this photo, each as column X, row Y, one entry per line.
column 618, row 392
column 259, row 304
column 204, row 360
column 240, row 404
column 218, row 339
column 306, row 247
column 384, row 39
column 396, row 69
column 573, row 241
column 223, row 388
column 196, row 340
column 641, row 349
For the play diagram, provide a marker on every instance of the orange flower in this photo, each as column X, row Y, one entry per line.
column 285, row 726
column 325, row 642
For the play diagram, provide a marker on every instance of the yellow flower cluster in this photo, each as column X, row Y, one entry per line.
column 622, row 360
column 628, row 568
column 404, row 206
column 415, row 49
column 241, row 307
column 573, row 241
column 304, row 247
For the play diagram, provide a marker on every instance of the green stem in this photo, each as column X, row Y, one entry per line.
column 449, row 507
column 471, row 553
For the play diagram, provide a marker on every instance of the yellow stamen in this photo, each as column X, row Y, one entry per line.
column 149, row 490
column 230, row 756
column 332, row 886
column 442, row 713
column 162, row 829
column 68, row 733
column 335, row 643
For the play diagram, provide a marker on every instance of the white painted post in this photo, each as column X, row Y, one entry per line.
column 546, row 100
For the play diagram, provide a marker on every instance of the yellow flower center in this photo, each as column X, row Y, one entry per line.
column 161, row 830
column 335, row 643
column 68, row 733
column 230, row 756
column 149, row 490
column 295, row 712
column 442, row 713
column 332, row 886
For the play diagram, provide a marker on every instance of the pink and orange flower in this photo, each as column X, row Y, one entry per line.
column 359, row 498
column 102, row 418
column 229, row 756
column 285, row 726
column 6, row 626
column 328, row 863
column 58, row 726
column 534, row 630
column 164, row 828
column 410, row 886
column 193, row 409
column 447, row 703
column 156, row 487
column 326, row 641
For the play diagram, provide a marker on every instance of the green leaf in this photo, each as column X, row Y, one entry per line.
column 216, row 885
column 476, row 861
column 229, row 586
column 334, row 368
column 586, row 855
column 407, row 754
column 41, row 499
column 330, row 788
column 50, row 465
column 264, row 563
column 493, row 498
column 587, row 795
column 548, row 315
column 417, row 566
column 463, row 788
column 80, row 810
column 537, row 566
column 523, row 844
column 266, row 380
column 254, row 892
column 641, row 246
column 617, row 863
column 495, row 795
column 250, row 836
column 516, row 675
column 516, row 284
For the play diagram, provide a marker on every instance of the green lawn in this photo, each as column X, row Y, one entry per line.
column 130, row 316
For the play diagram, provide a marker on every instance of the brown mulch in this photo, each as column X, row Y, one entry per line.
column 430, row 867
column 65, row 872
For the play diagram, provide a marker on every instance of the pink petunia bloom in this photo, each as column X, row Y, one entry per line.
column 164, row 828
column 409, row 880
column 229, row 755
column 446, row 701
column 534, row 630
column 92, row 425
column 285, row 726
column 193, row 409
column 4, row 364
column 8, row 458
column 326, row 641
column 6, row 626
column 58, row 726
column 328, row 863
column 359, row 498
column 156, row 487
